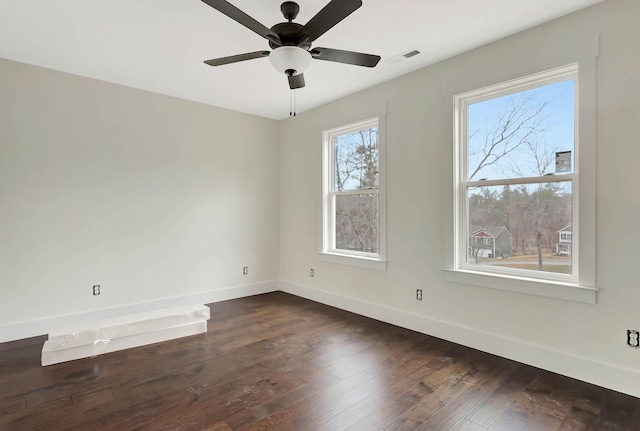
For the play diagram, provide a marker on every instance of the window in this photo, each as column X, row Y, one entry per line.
column 516, row 172
column 518, row 175
column 353, row 217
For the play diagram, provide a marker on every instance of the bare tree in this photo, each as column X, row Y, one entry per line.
column 521, row 120
column 357, row 162
column 540, row 156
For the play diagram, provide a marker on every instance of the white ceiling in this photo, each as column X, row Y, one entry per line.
column 160, row 45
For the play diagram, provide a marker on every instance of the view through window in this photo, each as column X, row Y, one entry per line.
column 352, row 209
column 517, row 148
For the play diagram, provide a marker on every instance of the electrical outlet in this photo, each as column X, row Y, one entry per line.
column 96, row 289
column 633, row 338
column 311, row 273
column 419, row 294
column 245, row 270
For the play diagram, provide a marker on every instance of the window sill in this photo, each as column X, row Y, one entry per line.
column 362, row 262
column 550, row 289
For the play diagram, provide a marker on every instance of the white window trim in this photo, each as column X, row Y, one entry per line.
column 346, row 257
column 583, row 289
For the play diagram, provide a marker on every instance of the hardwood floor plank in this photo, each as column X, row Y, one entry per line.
column 490, row 409
column 578, row 419
column 635, row 419
column 486, row 373
column 320, row 405
column 467, row 425
column 281, row 363
column 439, row 389
column 394, row 400
column 617, row 412
column 386, row 390
column 256, row 413
column 220, row 426
column 507, row 423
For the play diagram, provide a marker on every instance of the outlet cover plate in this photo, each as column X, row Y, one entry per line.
column 633, row 338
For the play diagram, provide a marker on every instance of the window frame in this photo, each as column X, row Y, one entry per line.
column 328, row 250
column 584, row 53
column 463, row 185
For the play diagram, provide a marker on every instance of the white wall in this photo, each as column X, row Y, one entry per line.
column 149, row 196
column 419, row 174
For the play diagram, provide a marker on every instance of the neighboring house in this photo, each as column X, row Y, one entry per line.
column 490, row 241
column 563, row 246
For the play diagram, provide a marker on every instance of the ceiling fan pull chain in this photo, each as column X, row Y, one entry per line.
column 292, row 103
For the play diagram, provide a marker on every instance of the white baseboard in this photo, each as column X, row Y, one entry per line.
column 598, row 373
column 35, row 328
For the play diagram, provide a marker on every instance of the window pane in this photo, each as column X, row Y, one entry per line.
column 526, row 134
column 356, row 160
column 357, row 222
column 522, row 227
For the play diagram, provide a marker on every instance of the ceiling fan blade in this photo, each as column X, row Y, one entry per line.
column 330, row 15
column 237, row 15
column 236, row 58
column 347, row 57
column 296, row 81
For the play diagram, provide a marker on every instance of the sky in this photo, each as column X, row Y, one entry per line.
column 559, row 134
column 347, row 152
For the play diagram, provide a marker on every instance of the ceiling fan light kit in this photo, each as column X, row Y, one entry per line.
column 291, row 42
column 285, row 58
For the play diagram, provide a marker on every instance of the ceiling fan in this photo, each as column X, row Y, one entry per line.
column 291, row 42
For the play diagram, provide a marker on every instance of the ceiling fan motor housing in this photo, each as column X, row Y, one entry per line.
column 290, row 35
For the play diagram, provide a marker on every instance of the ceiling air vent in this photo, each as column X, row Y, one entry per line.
column 411, row 53
column 403, row 56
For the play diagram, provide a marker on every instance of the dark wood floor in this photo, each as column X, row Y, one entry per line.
column 278, row 362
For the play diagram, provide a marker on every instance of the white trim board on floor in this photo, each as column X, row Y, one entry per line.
column 598, row 373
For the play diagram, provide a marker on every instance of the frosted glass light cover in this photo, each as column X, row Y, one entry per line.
column 290, row 57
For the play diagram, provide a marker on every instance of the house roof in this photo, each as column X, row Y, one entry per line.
column 492, row 231
column 565, row 229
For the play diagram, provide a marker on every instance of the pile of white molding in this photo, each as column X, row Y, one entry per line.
column 124, row 332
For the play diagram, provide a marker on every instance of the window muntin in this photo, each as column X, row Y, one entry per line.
column 352, row 207
column 516, row 148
